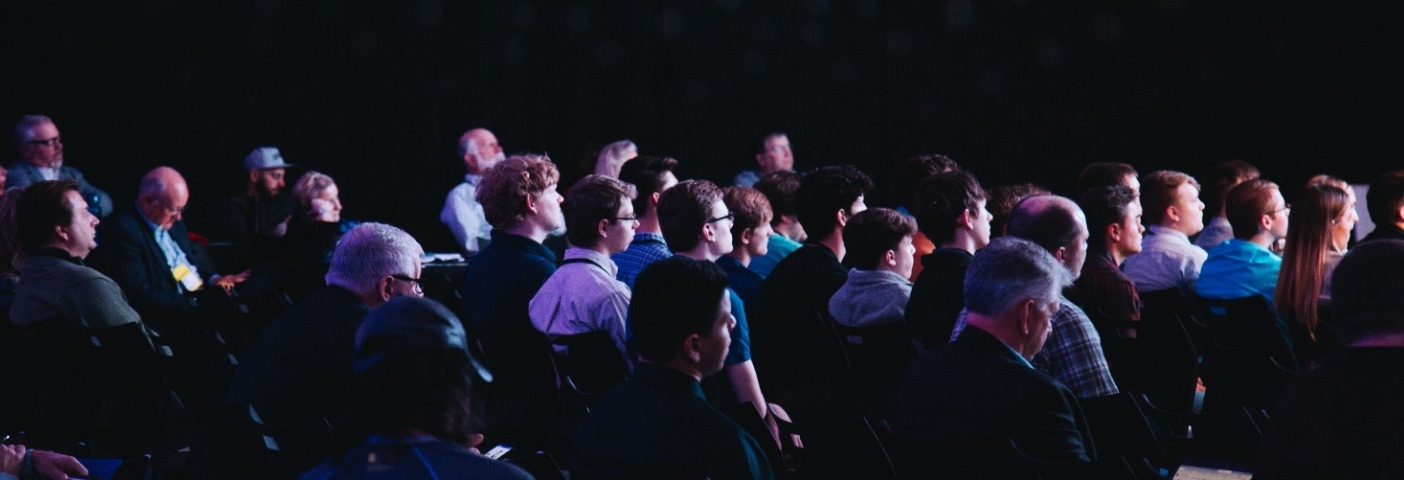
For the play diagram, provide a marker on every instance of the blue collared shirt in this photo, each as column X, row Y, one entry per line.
column 1237, row 269
column 643, row 251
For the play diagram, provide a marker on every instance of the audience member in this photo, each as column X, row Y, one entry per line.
column 1245, row 265
column 462, row 213
column 1073, row 353
column 1106, row 174
column 411, row 400
column 520, row 200
column 651, row 176
column 1114, row 225
column 950, row 207
column 658, row 424
column 1222, row 178
column 257, row 220
column 613, row 156
column 906, row 179
column 41, row 158
column 1173, row 214
column 772, row 155
column 750, row 238
column 792, row 323
column 1319, row 226
column 298, row 374
column 582, row 296
column 1385, row 202
column 779, row 189
column 313, row 232
column 879, row 243
column 1340, row 419
column 1002, row 200
column 981, row 386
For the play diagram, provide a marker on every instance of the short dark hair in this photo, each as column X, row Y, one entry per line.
column 824, row 192
column 1247, row 203
column 750, row 207
column 1002, row 200
column 914, row 170
column 593, row 198
column 1222, row 178
column 779, row 188
column 1051, row 226
column 1102, row 174
column 1160, row 190
column 871, row 233
column 1104, row 206
column 941, row 199
column 1367, row 290
column 41, row 207
column 645, row 173
column 673, row 298
column 504, row 188
column 683, row 210
column 1385, row 196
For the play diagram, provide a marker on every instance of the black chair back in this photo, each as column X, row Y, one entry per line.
column 1250, row 358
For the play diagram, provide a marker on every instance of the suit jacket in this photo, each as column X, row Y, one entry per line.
column 976, row 388
column 24, row 174
column 127, row 252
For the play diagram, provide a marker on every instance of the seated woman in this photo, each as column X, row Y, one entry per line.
column 411, row 408
column 312, row 233
column 1317, row 234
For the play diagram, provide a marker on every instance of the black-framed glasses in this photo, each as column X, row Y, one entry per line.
column 627, row 219
column 1285, row 206
column 48, row 143
column 728, row 216
column 418, row 287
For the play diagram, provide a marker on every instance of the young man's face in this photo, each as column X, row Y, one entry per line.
column 1191, row 209
column 620, row 229
column 715, row 345
column 1131, row 230
column 906, row 257
column 548, row 208
column 981, row 223
column 760, row 239
column 720, row 222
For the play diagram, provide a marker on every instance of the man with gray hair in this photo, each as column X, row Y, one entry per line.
column 462, row 213
column 613, row 156
column 981, row 386
column 41, row 158
column 298, row 371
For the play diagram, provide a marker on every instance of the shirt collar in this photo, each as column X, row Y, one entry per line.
column 472, row 179
column 1168, row 232
column 594, row 257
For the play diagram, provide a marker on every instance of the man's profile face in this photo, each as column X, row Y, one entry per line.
column 621, row 228
column 1043, row 312
column 548, row 208
column 1190, row 207
column 721, row 228
column 718, row 341
column 1076, row 253
column 44, row 147
column 82, row 229
column 270, row 181
column 166, row 208
column 1279, row 213
column 983, row 217
column 1131, row 230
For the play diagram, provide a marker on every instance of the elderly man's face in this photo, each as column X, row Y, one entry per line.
column 165, row 208
column 44, row 147
column 487, row 154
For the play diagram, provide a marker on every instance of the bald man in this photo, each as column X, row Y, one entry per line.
column 462, row 213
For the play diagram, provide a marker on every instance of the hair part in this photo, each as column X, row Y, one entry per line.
column 1246, row 204
column 871, row 233
column 684, row 209
column 1160, row 190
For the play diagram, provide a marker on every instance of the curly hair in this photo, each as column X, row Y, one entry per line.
column 504, row 189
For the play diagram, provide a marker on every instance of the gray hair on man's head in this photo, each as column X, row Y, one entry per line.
column 24, row 128
column 1009, row 271
column 371, row 251
column 613, row 156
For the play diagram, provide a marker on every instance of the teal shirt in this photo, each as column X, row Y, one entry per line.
column 1237, row 269
column 779, row 247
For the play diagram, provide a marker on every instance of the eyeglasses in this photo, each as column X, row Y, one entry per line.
column 418, row 288
column 1285, row 207
column 48, row 143
column 728, row 216
column 627, row 219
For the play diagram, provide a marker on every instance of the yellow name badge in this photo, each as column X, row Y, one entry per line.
column 187, row 278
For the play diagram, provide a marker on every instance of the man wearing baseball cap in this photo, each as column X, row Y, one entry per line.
column 256, row 220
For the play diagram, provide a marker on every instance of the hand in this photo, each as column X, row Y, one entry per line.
column 475, row 439
column 325, row 211
column 227, row 282
column 56, row 466
column 11, row 459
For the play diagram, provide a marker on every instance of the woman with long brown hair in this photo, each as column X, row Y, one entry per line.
column 1317, row 235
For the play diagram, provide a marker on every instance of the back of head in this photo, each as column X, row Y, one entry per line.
column 647, row 174
column 750, row 207
column 825, row 191
column 779, row 188
column 593, row 198
column 1222, row 178
column 914, row 170
column 1246, row 204
column 504, row 189
column 683, row 209
column 871, row 233
column 38, row 209
column 1159, row 191
column 1009, row 271
column 1103, row 174
column 673, row 298
column 413, row 372
column 369, row 252
column 614, row 155
column 941, row 199
column 1002, row 200
column 1367, row 291
column 1047, row 220
column 1384, row 198
column 1104, row 206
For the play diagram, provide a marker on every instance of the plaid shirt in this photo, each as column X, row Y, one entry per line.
column 643, row 251
column 1072, row 354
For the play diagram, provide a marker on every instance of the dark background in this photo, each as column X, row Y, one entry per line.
column 375, row 93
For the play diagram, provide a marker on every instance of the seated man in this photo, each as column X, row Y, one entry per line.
column 1222, row 178
column 1341, row 419
column 256, row 221
column 650, row 176
column 907, row 178
column 786, row 232
column 772, row 155
column 1114, row 225
column 582, row 296
column 981, row 385
column 1106, row 174
column 1385, row 202
column 411, row 400
column 1245, row 265
column 297, row 374
column 41, row 158
column 750, row 239
column 658, row 424
column 1173, row 213
column 462, row 213
column 879, row 243
column 950, row 209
